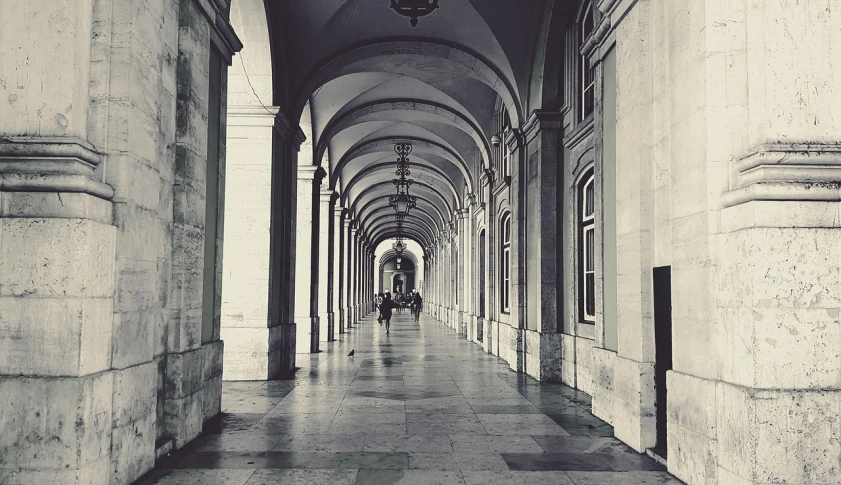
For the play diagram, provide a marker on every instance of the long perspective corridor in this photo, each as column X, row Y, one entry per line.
column 416, row 406
column 621, row 220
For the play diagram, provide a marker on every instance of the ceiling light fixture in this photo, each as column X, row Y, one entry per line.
column 414, row 9
column 402, row 202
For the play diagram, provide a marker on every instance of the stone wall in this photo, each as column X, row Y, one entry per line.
column 94, row 230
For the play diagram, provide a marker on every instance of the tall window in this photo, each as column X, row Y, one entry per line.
column 586, row 250
column 505, row 264
column 587, row 77
column 502, row 153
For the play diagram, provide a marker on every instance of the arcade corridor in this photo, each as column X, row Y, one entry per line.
column 418, row 406
column 637, row 199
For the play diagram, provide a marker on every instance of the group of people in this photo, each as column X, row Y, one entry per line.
column 385, row 306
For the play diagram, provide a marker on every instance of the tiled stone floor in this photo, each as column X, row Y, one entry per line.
column 418, row 406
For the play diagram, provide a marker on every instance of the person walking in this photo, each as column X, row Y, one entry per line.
column 380, row 309
column 417, row 302
column 385, row 311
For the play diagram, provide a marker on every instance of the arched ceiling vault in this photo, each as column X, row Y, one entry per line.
column 371, row 81
column 387, row 220
column 392, row 254
column 409, row 233
column 386, row 214
column 429, row 198
column 385, row 171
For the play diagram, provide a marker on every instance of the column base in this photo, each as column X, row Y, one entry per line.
column 341, row 321
column 634, row 410
column 282, row 339
column 74, row 416
column 462, row 323
column 325, row 328
column 490, row 337
column 511, row 346
column 725, row 433
column 307, row 341
column 349, row 318
column 542, row 355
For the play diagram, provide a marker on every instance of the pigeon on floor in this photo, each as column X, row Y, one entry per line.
column 352, row 351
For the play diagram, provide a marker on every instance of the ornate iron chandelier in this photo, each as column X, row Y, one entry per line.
column 414, row 9
column 402, row 202
column 398, row 246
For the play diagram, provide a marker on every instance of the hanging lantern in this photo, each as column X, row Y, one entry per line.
column 399, row 247
column 402, row 201
column 414, row 9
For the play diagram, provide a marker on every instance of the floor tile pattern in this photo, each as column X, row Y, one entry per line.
column 417, row 406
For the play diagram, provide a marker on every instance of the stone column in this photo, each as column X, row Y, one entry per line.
column 103, row 193
column 57, row 258
column 542, row 338
column 338, row 266
column 352, row 268
column 325, row 247
column 346, row 265
column 245, row 305
column 465, row 277
column 359, row 278
column 306, row 260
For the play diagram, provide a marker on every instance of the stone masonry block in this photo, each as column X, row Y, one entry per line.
column 132, row 339
column 56, row 257
column 184, row 418
column 55, row 336
column 55, row 424
column 779, row 436
column 692, row 428
column 634, row 413
column 602, row 367
column 185, row 373
column 212, row 397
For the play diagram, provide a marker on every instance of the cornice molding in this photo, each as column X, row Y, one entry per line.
column 51, row 164
column 786, row 172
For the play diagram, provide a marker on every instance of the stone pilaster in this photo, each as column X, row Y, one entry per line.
column 325, row 246
column 337, row 269
column 245, row 306
column 345, row 265
column 542, row 343
column 306, row 260
column 353, row 268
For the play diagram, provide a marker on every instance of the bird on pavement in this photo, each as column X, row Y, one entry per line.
column 351, row 352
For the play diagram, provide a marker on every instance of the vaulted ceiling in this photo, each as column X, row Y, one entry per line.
column 366, row 80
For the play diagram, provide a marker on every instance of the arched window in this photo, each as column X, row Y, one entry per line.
column 505, row 264
column 587, row 248
column 586, row 26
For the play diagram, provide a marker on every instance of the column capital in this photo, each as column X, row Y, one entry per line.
column 542, row 120
column 327, row 195
column 285, row 129
column 256, row 116
column 307, row 173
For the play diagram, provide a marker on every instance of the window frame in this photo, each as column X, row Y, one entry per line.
column 505, row 265
column 586, row 74
column 586, row 248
